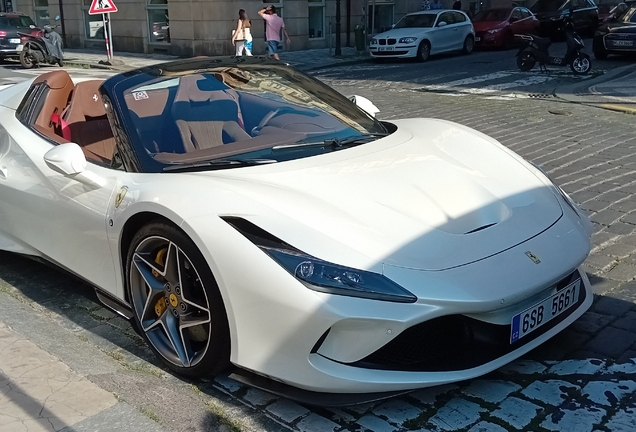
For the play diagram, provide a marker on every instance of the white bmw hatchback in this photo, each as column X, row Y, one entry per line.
column 424, row 33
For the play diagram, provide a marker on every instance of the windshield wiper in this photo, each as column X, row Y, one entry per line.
column 336, row 142
column 219, row 163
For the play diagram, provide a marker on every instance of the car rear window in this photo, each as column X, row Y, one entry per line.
column 17, row 21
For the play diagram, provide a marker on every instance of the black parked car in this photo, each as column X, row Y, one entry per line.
column 550, row 14
column 618, row 36
column 10, row 24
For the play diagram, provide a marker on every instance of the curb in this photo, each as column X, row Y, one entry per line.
column 579, row 92
column 88, row 65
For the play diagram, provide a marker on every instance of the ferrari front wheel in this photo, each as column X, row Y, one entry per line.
column 176, row 302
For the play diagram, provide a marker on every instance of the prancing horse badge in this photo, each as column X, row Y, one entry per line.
column 120, row 196
column 535, row 259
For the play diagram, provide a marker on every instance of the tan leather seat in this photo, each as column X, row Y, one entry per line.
column 85, row 117
column 207, row 113
column 60, row 87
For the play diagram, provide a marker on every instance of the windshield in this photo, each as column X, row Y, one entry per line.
column 19, row 22
column 628, row 15
column 549, row 6
column 417, row 21
column 235, row 113
column 492, row 15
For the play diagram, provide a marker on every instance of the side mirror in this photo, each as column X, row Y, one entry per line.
column 69, row 160
column 441, row 24
column 365, row 105
column 32, row 26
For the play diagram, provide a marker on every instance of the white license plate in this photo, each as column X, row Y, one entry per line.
column 534, row 317
column 477, row 39
column 386, row 48
column 19, row 48
column 14, row 40
column 623, row 43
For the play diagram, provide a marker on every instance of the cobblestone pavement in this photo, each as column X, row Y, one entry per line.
column 582, row 380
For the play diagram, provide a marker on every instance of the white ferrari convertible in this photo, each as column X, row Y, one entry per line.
column 246, row 215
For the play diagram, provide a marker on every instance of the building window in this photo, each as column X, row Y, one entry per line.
column 158, row 21
column 380, row 17
column 41, row 10
column 316, row 19
column 93, row 24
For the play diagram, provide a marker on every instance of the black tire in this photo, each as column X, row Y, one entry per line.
column 469, row 44
column 509, row 41
column 424, row 51
column 600, row 53
column 525, row 61
column 581, row 64
column 26, row 59
column 61, row 63
column 182, row 318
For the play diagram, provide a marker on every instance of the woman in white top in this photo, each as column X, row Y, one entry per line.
column 242, row 36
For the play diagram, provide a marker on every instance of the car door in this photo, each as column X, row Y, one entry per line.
column 445, row 35
column 464, row 27
column 517, row 23
column 51, row 214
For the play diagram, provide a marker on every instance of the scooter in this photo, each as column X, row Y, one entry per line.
column 43, row 47
column 536, row 49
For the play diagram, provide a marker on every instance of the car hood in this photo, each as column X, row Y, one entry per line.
column 432, row 195
column 619, row 28
column 481, row 26
column 403, row 32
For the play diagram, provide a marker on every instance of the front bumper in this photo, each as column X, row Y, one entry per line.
column 326, row 343
column 615, row 43
column 394, row 51
column 483, row 39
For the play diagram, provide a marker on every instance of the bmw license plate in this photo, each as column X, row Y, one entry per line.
column 534, row 317
column 386, row 48
column 19, row 48
column 14, row 40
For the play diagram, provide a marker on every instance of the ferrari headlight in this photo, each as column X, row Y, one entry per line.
column 493, row 31
column 561, row 192
column 331, row 278
column 408, row 39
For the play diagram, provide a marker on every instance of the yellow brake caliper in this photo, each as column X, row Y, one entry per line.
column 160, row 306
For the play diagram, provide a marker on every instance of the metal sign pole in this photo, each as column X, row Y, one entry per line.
column 110, row 37
column 106, row 36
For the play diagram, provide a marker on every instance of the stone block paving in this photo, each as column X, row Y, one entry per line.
column 582, row 380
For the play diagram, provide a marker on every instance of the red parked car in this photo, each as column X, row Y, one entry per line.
column 497, row 27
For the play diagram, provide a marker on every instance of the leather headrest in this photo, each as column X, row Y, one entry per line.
column 56, row 80
column 86, row 93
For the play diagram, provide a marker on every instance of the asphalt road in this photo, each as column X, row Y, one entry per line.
column 582, row 380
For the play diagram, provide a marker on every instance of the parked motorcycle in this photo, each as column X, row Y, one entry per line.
column 536, row 49
column 43, row 47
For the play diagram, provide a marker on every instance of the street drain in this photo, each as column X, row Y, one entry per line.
column 559, row 112
column 540, row 96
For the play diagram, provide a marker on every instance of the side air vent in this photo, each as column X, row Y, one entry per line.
column 480, row 228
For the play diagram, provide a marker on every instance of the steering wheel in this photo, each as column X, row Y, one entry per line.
column 278, row 111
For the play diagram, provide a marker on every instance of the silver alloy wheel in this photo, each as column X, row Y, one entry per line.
column 170, row 301
column 424, row 51
column 469, row 44
column 581, row 64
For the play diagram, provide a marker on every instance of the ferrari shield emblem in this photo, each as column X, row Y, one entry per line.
column 120, row 196
column 535, row 259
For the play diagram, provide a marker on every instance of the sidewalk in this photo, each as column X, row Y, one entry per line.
column 304, row 60
column 615, row 90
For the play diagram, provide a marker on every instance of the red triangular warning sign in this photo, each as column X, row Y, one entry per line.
column 102, row 6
